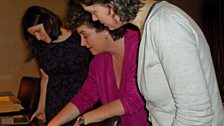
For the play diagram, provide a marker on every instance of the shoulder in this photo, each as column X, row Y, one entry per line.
column 99, row 61
column 131, row 33
column 131, row 39
column 132, row 36
column 167, row 23
column 131, row 42
column 74, row 37
column 74, row 42
column 167, row 14
column 101, row 57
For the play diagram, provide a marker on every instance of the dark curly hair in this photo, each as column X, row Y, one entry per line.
column 35, row 15
column 77, row 16
column 126, row 9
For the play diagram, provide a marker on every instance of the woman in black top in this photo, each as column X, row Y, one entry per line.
column 63, row 62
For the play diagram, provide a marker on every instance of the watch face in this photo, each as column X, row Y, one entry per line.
column 80, row 120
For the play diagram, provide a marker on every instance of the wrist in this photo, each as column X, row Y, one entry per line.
column 81, row 121
column 41, row 107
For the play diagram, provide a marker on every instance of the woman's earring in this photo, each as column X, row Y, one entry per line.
column 106, row 37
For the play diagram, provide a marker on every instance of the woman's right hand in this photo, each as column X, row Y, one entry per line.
column 39, row 115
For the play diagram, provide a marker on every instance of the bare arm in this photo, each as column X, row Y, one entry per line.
column 114, row 108
column 68, row 113
column 40, row 112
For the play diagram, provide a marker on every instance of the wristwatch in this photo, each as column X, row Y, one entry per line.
column 81, row 121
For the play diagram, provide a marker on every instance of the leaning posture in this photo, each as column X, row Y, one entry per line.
column 62, row 61
column 176, row 75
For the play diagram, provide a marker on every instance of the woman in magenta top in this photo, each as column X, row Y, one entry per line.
column 111, row 77
column 101, row 84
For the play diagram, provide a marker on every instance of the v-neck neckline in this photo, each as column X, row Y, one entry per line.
column 122, row 71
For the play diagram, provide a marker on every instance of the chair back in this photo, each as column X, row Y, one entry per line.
column 29, row 92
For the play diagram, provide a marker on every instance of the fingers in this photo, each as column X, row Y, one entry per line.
column 33, row 116
column 43, row 118
column 39, row 116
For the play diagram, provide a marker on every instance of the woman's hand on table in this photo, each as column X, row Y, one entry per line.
column 39, row 115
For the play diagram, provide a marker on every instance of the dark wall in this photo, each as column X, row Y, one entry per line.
column 213, row 17
column 209, row 14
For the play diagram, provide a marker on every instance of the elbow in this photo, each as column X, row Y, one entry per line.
column 200, row 115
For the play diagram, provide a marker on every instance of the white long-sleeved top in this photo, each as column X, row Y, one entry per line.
column 175, row 71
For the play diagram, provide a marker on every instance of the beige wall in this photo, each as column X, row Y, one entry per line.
column 12, row 46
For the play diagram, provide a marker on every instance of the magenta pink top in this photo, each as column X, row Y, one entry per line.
column 101, row 84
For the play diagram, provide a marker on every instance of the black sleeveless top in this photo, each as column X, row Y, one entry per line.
column 66, row 64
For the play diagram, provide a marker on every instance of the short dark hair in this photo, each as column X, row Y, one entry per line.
column 76, row 17
column 126, row 9
column 35, row 15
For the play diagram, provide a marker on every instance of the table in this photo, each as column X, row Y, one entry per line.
column 11, row 106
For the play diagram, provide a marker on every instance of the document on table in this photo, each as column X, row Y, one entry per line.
column 9, row 103
column 14, row 120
